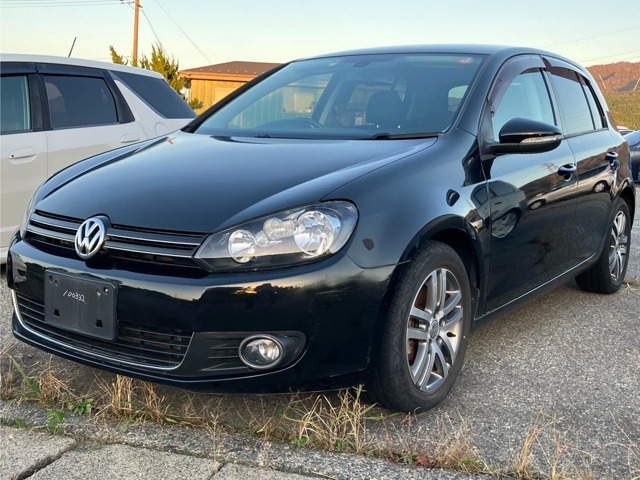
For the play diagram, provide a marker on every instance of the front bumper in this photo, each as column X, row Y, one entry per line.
column 185, row 331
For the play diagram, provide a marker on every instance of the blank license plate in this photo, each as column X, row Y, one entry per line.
column 81, row 305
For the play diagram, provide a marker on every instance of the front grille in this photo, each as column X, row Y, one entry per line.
column 145, row 345
column 136, row 245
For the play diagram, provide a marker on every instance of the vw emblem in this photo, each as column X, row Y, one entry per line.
column 90, row 237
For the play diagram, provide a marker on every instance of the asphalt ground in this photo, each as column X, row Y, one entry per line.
column 566, row 365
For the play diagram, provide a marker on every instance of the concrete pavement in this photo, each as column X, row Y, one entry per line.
column 86, row 447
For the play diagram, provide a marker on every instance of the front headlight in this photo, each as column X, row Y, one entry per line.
column 286, row 238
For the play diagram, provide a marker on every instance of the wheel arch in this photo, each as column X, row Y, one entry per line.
column 628, row 196
column 460, row 235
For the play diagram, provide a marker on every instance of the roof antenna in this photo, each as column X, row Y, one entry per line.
column 72, row 45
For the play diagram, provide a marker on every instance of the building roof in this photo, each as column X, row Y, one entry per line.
column 231, row 71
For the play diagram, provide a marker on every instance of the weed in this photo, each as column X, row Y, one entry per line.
column 545, row 440
column 333, row 425
column 81, row 406
column 455, row 448
column 301, row 442
column 54, row 417
column 152, row 403
column 7, row 381
column 119, row 396
column 134, row 400
column 409, row 457
column 21, row 423
column 633, row 452
column 52, row 389
column 47, row 389
column 33, row 389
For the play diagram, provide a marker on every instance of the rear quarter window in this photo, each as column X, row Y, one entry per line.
column 156, row 93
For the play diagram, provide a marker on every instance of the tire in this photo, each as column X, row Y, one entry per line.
column 421, row 352
column 607, row 275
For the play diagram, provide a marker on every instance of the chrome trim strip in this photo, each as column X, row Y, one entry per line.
column 153, row 240
column 50, row 234
column 90, row 353
column 47, row 221
column 110, row 245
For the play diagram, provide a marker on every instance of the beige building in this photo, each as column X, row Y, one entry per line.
column 214, row 82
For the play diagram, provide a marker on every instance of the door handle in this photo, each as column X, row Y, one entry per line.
column 567, row 170
column 132, row 137
column 22, row 155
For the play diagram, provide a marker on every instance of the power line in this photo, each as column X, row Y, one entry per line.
column 183, row 32
column 591, row 37
column 151, row 26
column 59, row 3
column 610, row 56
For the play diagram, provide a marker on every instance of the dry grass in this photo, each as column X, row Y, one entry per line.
column 135, row 401
column 449, row 445
column 633, row 451
column 8, row 381
column 454, row 448
column 331, row 424
column 53, row 388
column 544, row 440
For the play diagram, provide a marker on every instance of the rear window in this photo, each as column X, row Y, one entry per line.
column 573, row 103
column 156, row 93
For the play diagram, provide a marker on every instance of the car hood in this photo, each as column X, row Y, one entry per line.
column 197, row 183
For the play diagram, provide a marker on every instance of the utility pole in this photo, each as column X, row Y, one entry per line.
column 136, row 12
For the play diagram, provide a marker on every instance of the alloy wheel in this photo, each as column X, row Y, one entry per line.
column 618, row 246
column 434, row 329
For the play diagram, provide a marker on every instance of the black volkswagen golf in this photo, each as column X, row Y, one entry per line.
column 345, row 218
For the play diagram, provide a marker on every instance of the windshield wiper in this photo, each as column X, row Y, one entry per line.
column 399, row 136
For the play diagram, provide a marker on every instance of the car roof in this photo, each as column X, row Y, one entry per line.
column 439, row 48
column 78, row 62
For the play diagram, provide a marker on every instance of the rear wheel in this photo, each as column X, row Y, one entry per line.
column 426, row 333
column 607, row 275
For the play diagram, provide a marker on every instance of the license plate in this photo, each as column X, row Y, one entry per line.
column 80, row 304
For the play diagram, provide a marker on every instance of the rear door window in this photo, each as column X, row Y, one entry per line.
column 156, row 93
column 76, row 101
column 574, row 108
column 15, row 110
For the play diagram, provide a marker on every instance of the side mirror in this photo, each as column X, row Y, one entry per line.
column 521, row 135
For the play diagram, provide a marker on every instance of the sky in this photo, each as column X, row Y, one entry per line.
column 206, row 32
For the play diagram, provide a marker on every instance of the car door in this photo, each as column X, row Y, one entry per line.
column 595, row 151
column 23, row 145
column 86, row 113
column 531, row 196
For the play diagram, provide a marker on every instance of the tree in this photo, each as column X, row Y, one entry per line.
column 161, row 63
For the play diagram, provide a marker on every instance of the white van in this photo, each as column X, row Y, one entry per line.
column 55, row 111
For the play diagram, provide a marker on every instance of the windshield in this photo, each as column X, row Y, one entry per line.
column 351, row 97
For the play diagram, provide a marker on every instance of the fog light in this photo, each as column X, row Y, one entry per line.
column 261, row 352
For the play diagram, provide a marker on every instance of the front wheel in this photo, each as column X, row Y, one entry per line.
column 607, row 275
column 426, row 334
